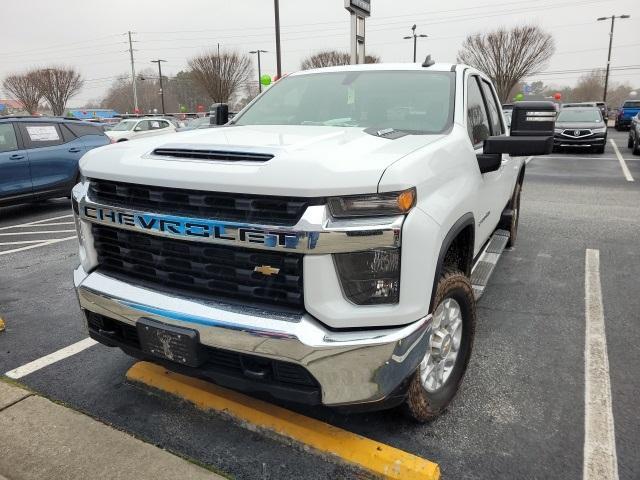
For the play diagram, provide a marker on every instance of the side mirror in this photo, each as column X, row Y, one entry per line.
column 219, row 114
column 532, row 125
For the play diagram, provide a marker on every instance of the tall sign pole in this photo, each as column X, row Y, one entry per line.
column 276, row 8
column 133, row 75
column 359, row 10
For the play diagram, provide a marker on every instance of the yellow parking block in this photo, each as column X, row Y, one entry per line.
column 380, row 459
column 1, row 324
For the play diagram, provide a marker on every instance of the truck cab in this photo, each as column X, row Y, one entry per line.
column 320, row 247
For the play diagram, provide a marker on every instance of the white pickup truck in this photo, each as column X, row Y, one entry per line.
column 326, row 246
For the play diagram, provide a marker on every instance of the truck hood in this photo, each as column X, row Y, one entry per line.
column 307, row 160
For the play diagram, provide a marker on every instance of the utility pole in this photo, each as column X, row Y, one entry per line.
column 159, row 62
column 606, row 78
column 259, row 72
column 415, row 41
column 276, row 8
column 133, row 75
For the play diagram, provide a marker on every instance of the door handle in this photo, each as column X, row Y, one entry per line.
column 16, row 156
column 74, row 150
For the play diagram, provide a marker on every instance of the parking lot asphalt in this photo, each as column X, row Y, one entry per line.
column 521, row 410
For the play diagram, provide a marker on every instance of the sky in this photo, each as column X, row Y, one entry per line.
column 91, row 35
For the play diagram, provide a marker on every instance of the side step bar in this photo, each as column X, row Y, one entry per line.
column 487, row 260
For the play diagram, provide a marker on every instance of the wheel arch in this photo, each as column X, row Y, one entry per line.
column 461, row 236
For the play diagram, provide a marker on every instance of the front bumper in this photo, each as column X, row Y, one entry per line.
column 595, row 140
column 351, row 367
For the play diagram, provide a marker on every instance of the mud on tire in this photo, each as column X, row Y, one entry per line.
column 422, row 405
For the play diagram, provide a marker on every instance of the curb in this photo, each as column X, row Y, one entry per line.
column 382, row 460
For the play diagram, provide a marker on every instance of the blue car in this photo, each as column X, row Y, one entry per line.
column 629, row 109
column 39, row 156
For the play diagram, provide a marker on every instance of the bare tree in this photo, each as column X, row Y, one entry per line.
column 330, row 58
column 221, row 76
column 589, row 87
column 25, row 89
column 58, row 85
column 508, row 56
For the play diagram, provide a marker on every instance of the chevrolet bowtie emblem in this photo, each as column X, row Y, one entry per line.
column 267, row 270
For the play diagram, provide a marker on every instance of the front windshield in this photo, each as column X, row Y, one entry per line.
column 124, row 126
column 412, row 101
column 579, row 115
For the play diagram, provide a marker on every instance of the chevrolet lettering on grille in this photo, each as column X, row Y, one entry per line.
column 190, row 228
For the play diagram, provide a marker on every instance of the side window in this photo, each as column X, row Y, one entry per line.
column 39, row 135
column 477, row 120
column 164, row 124
column 143, row 126
column 67, row 135
column 82, row 130
column 494, row 111
column 8, row 140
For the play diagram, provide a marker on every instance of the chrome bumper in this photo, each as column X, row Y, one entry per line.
column 351, row 367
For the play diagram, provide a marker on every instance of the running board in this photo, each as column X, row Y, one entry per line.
column 483, row 268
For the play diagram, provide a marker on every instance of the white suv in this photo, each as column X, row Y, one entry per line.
column 140, row 128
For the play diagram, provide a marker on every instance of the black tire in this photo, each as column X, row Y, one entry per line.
column 630, row 141
column 421, row 405
column 636, row 145
column 514, row 205
column 122, row 140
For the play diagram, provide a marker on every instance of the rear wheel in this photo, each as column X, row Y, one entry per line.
column 438, row 377
column 636, row 145
column 514, row 205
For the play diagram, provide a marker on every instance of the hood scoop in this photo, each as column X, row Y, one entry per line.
column 212, row 155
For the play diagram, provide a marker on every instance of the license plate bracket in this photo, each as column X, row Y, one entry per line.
column 177, row 344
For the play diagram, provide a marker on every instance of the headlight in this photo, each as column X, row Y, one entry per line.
column 394, row 203
column 371, row 277
column 599, row 130
column 558, row 130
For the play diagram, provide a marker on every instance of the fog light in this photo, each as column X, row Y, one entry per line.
column 371, row 277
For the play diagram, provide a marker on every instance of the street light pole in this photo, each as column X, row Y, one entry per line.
column 606, row 77
column 276, row 8
column 133, row 75
column 415, row 41
column 159, row 62
column 259, row 72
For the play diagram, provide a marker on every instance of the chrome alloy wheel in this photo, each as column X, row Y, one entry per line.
column 442, row 353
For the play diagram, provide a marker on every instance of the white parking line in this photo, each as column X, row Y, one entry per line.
column 35, row 222
column 623, row 165
column 600, row 458
column 43, row 243
column 44, row 225
column 527, row 160
column 35, row 233
column 51, row 358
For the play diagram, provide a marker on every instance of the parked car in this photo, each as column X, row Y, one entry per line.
column 580, row 127
column 604, row 110
column 140, row 128
column 634, row 135
column 39, row 156
column 324, row 240
column 629, row 109
column 197, row 123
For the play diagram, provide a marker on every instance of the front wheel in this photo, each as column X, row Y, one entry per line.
column 438, row 377
column 636, row 145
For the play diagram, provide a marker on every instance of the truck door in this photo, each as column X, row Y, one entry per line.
column 15, row 178
column 510, row 167
column 487, row 211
